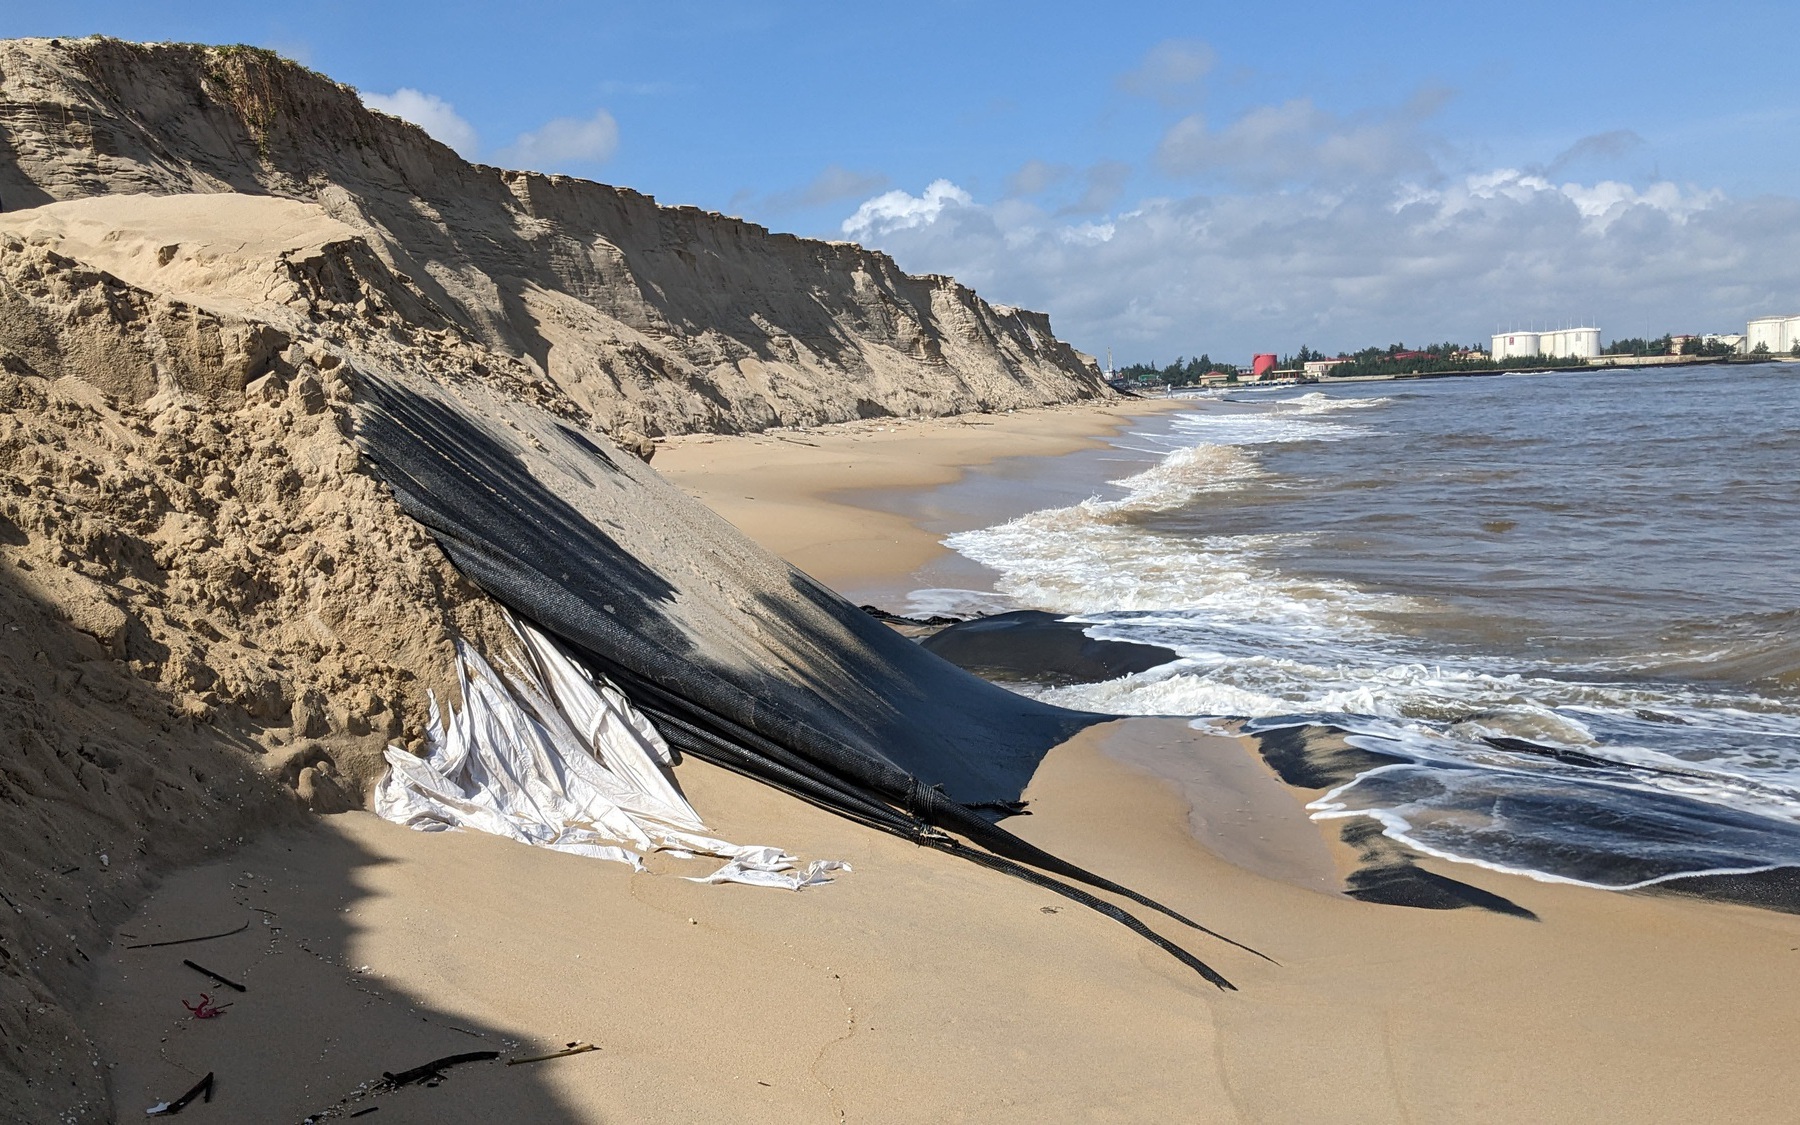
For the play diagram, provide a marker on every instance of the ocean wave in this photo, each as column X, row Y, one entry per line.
column 1181, row 476
column 1450, row 705
column 1092, row 559
column 1659, row 747
column 1556, row 827
column 1260, row 428
column 1318, row 402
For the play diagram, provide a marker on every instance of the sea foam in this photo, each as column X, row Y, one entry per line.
column 1261, row 643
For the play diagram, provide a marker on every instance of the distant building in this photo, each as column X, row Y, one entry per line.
column 1773, row 333
column 1315, row 368
column 1729, row 339
column 1261, row 364
column 1581, row 343
column 1512, row 344
column 1678, row 342
column 1574, row 343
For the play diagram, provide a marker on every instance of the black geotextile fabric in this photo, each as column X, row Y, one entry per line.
column 875, row 729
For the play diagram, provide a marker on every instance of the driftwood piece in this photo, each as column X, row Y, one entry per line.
column 188, row 940
column 203, row 970
column 571, row 1049
column 431, row 1069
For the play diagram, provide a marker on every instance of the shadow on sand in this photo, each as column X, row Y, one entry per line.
column 313, row 1033
column 112, row 801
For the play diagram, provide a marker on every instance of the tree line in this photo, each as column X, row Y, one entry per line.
column 1398, row 359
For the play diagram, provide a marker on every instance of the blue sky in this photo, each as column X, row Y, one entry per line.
column 1160, row 178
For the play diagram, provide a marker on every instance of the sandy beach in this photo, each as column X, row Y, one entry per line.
column 919, row 988
column 794, row 491
column 341, row 464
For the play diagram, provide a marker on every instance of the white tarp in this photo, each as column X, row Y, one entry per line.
column 549, row 756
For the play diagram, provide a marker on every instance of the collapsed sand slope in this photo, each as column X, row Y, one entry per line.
column 184, row 372
column 208, row 601
column 653, row 319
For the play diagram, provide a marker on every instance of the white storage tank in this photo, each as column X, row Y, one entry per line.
column 1576, row 343
column 1508, row 345
column 1776, row 334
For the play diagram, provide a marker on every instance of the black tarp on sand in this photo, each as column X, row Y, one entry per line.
column 738, row 658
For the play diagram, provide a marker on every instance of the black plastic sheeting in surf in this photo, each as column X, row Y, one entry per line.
column 836, row 708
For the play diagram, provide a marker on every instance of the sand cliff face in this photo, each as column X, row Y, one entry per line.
column 214, row 612
column 652, row 319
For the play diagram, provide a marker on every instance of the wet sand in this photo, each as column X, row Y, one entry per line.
column 923, row 988
column 796, row 491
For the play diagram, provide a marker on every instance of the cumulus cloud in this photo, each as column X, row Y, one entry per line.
column 897, row 211
column 1170, row 72
column 1295, row 223
column 1236, row 272
column 1298, row 141
column 430, row 113
column 1103, row 184
column 1599, row 205
column 563, row 142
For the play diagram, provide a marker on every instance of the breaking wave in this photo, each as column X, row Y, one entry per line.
column 1679, row 773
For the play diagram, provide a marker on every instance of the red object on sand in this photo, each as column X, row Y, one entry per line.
column 205, row 1009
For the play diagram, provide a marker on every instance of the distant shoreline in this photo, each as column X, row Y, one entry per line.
column 1598, row 363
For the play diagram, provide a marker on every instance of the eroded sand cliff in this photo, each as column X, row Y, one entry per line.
column 654, row 319
column 215, row 613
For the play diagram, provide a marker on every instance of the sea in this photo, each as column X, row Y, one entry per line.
column 1565, row 607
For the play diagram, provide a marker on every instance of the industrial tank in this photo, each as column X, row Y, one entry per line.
column 1774, row 333
column 1508, row 345
column 1578, row 343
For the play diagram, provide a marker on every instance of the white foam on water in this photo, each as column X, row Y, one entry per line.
column 1096, row 556
column 1259, row 643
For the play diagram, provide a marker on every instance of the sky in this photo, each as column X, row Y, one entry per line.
column 1163, row 179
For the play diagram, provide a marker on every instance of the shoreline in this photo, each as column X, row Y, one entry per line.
column 794, row 491
column 921, row 988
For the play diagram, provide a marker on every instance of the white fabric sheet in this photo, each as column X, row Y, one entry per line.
column 549, row 756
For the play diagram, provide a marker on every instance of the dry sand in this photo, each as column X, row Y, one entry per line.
column 922, row 988
column 794, row 491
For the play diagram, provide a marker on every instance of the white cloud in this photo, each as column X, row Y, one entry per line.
column 563, row 142
column 1600, row 204
column 430, row 113
column 897, row 211
column 1336, row 267
column 1170, row 72
column 1105, row 183
column 1035, row 176
column 1089, row 233
column 1295, row 223
column 1608, row 201
column 1297, row 141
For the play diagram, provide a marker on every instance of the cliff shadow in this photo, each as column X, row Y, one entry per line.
column 119, row 811
column 313, row 1033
